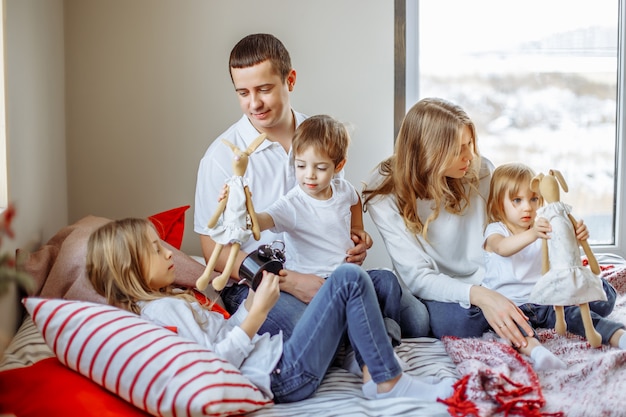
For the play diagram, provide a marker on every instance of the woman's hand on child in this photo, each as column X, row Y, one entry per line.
column 502, row 314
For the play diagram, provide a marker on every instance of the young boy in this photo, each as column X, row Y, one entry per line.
column 319, row 214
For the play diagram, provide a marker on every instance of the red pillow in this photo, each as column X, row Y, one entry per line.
column 50, row 389
column 170, row 225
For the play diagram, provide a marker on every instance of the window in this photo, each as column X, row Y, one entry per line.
column 543, row 83
column 3, row 142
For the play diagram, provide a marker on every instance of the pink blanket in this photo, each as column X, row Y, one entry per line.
column 497, row 380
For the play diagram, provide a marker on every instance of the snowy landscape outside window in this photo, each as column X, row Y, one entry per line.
column 540, row 81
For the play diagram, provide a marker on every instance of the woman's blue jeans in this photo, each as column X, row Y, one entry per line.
column 450, row 319
column 345, row 304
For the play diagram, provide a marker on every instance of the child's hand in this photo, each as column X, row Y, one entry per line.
column 359, row 235
column 582, row 233
column 223, row 193
column 266, row 294
column 542, row 228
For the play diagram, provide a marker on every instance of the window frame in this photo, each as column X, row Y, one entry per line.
column 407, row 91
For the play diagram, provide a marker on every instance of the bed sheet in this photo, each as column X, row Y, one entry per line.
column 340, row 392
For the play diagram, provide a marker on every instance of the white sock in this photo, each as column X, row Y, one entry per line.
column 622, row 342
column 369, row 389
column 546, row 360
column 414, row 387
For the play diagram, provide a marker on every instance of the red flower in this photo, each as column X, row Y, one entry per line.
column 7, row 218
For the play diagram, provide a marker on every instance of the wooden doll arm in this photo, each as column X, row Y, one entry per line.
column 221, row 206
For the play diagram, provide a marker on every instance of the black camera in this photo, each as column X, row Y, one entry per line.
column 269, row 257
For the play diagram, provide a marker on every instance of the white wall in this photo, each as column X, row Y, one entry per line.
column 35, row 106
column 148, row 89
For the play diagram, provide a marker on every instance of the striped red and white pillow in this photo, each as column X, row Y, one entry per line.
column 145, row 364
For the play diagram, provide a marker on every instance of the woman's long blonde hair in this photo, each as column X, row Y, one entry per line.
column 427, row 143
column 117, row 264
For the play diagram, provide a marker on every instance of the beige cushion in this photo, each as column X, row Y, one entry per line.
column 59, row 266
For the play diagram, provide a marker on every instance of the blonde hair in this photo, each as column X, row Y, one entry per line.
column 506, row 181
column 325, row 135
column 427, row 143
column 118, row 256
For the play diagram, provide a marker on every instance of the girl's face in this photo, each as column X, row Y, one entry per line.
column 460, row 164
column 314, row 173
column 520, row 209
column 160, row 264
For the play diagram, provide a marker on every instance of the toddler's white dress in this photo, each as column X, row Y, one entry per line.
column 567, row 282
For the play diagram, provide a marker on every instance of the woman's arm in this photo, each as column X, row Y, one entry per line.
column 414, row 264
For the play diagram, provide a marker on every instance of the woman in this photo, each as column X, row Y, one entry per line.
column 428, row 203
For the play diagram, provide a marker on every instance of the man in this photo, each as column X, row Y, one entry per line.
column 261, row 72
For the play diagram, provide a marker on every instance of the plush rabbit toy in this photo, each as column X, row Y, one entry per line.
column 234, row 220
column 565, row 281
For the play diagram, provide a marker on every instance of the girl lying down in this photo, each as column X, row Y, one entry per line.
column 128, row 265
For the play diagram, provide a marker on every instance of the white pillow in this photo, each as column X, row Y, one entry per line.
column 145, row 364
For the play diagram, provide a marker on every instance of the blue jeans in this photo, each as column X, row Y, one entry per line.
column 411, row 320
column 450, row 319
column 345, row 304
column 414, row 318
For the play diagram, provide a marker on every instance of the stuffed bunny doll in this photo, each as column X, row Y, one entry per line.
column 234, row 220
column 565, row 281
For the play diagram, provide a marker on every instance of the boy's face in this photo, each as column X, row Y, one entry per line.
column 160, row 264
column 520, row 209
column 314, row 171
column 263, row 97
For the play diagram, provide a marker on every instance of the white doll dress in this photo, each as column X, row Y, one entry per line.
column 232, row 226
column 567, row 282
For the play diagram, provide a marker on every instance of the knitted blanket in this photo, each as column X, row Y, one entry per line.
column 499, row 381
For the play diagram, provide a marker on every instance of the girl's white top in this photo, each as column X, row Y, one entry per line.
column 256, row 358
column 512, row 276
